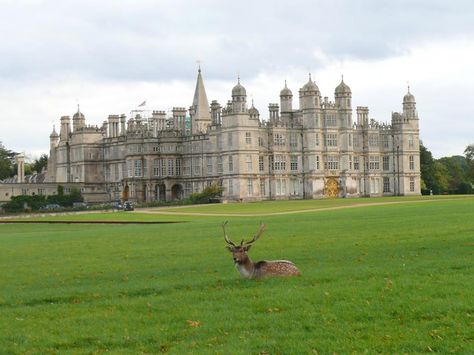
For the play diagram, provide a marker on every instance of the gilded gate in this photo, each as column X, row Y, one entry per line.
column 331, row 187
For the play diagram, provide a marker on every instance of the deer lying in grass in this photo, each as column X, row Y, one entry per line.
column 258, row 270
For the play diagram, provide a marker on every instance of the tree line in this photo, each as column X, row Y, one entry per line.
column 447, row 175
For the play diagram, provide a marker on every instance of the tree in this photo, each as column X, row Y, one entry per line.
column 457, row 170
column 39, row 164
column 469, row 154
column 7, row 158
column 427, row 170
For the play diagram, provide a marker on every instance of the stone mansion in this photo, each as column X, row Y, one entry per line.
column 318, row 150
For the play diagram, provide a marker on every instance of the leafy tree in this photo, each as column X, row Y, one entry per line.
column 427, row 169
column 457, row 170
column 7, row 158
column 209, row 194
column 469, row 154
column 39, row 164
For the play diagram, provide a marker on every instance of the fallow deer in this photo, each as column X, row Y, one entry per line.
column 261, row 269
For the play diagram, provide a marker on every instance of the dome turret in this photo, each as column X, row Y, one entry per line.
column 253, row 112
column 239, row 90
column 239, row 98
column 310, row 85
column 78, row 115
column 78, row 120
column 343, row 88
column 54, row 134
column 285, row 91
column 408, row 98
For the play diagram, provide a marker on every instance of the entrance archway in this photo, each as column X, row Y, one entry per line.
column 176, row 192
column 160, row 192
column 125, row 193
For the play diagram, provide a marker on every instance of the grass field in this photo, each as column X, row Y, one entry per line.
column 381, row 278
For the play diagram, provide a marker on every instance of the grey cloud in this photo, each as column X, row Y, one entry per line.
column 150, row 40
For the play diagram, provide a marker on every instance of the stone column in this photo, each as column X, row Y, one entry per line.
column 20, row 160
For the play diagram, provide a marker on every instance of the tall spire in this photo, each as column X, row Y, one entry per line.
column 200, row 109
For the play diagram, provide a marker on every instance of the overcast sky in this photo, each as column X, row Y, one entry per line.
column 111, row 55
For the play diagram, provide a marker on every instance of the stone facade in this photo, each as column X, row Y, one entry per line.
column 315, row 151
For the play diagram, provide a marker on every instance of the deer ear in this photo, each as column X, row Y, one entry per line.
column 229, row 248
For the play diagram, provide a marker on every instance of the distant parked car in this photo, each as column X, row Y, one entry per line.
column 117, row 205
column 51, row 206
column 79, row 205
column 128, row 206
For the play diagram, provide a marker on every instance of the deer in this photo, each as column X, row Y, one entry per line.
column 260, row 269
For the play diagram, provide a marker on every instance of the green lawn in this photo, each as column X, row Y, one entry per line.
column 394, row 278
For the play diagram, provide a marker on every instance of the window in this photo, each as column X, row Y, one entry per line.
column 209, row 165
column 386, row 163
column 331, row 120
column 249, row 163
column 262, row 188
column 279, row 162
column 331, row 162
column 293, row 140
column 411, row 142
column 373, row 140
column 145, row 168
column 412, row 184
column 280, row 187
column 187, row 188
column 374, row 162
column 163, row 167
column 187, row 167
column 196, row 166
column 317, row 166
column 231, row 163
column 385, row 141
column 248, row 138
column 170, row 167
column 412, row 162
column 178, row 167
column 356, row 163
column 260, row 142
column 249, row 187
column 316, row 141
column 294, row 163
column 356, row 141
column 130, row 168
column 386, row 184
column 350, row 162
column 261, row 165
column 330, row 139
column 374, row 185
column 231, row 187
column 294, row 187
column 279, row 139
column 137, row 167
column 219, row 165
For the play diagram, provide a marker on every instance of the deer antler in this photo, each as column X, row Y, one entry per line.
column 256, row 236
column 225, row 235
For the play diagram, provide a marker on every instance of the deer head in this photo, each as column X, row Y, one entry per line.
column 239, row 251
